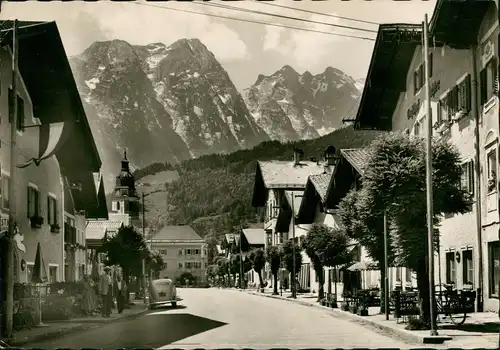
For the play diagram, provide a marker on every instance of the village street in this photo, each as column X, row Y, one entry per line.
column 218, row 318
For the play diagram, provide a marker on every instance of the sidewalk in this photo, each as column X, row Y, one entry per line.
column 61, row 328
column 481, row 330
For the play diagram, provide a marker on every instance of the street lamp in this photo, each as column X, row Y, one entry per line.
column 242, row 262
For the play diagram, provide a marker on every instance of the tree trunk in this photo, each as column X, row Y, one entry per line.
column 423, row 293
column 259, row 273
column 329, row 281
column 321, row 283
column 275, row 283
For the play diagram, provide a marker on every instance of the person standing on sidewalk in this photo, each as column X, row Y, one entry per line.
column 120, row 289
column 105, row 289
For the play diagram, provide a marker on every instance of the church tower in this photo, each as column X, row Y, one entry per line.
column 124, row 201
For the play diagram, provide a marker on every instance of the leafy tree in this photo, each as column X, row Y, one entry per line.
column 127, row 249
column 186, row 279
column 288, row 259
column 234, row 265
column 326, row 247
column 154, row 262
column 273, row 257
column 258, row 259
column 395, row 181
column 223, row 269
column 212, row 272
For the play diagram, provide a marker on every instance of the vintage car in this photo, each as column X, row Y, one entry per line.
column 162, row 292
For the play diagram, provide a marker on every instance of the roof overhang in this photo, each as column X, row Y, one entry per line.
column 392, row 56
column 456, row 23
column 99, row 211
column 46, row 72
column 308, row 204
column 341, row 182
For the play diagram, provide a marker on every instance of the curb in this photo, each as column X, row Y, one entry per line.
column 79, row 327
column 401, row 333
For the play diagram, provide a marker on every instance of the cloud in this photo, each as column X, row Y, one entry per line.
column 82, row 23
column 306, row 48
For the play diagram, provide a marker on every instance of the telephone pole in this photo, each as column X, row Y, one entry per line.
column 143, row 259
column 12, row 189
column 430, row 209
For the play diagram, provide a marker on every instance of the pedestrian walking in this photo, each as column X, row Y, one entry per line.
column 120, row 289
column 105, row 289
column 89, row 303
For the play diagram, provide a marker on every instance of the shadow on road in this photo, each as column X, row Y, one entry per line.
column 488, row 327
column 154, row 330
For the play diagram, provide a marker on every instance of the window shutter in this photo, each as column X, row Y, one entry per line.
column 20, row 113
column 11, row 104
column 29, row 202
column 431, row 68
column 415, row 82
column 455, row 99
column 439, row 114
column 468, row 93
column 56, row 212
column 48, row 210
column 494, row 75
column 483, row 86
column 38, row 207
column 471, row 177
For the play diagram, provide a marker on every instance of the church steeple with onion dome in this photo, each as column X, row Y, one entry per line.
column 124, row 194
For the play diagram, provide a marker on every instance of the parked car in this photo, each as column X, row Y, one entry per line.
column 162, row 292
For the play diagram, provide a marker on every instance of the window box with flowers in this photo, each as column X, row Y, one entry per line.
column 55, row 228
column 36, row 221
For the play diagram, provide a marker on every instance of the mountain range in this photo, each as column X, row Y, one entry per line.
column 173, row 103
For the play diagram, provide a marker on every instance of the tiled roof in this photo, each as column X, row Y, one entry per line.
column 255, row 236
column 283, row 174
column 177, row 233
column 297, row 200
column 320, row 183
column 357, row 157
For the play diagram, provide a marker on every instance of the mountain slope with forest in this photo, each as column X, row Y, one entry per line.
column 213, row 193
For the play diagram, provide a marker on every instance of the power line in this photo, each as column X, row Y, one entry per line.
column 253, row 21
column 319, row 13
column 232, row 8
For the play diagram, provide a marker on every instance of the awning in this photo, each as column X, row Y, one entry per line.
column 50, row 140
column 363, row 266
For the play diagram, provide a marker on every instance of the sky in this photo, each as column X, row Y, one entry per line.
column 244, row 49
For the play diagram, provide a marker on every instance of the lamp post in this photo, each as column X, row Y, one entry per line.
column 143, row 259
column 241, row 260
column 430, row 209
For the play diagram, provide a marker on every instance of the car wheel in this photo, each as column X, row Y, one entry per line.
column 174, row 304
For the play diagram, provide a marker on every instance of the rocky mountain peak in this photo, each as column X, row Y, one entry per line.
column 292, row 106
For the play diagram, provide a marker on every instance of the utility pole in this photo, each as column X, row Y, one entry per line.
column 430, row 209
column 143, row 259
column 12, row 188
column 386, row 268
column 241, row 260
column 294, row 285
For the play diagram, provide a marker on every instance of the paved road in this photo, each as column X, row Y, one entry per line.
column 217, row 318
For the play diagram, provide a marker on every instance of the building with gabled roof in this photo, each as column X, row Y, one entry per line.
column 463, row 60
column 278, row 188
column 182, row 250
column 56, row 153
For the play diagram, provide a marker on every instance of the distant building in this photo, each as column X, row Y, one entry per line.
column 182, row 250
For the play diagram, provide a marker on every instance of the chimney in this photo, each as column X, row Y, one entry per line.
column 297, row 156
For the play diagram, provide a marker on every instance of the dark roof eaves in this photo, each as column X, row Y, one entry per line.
column 382, row 28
